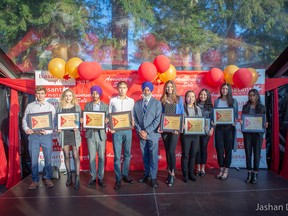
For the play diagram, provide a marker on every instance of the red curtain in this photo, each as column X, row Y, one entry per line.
column 13, row 165
column 275, row 135
column 14, row 174
column 3, row 163
column 273, row 84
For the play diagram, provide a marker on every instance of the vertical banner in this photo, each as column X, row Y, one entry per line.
column 185, row 80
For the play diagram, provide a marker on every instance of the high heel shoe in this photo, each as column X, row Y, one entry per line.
column 249, row 177
column 219, row 175
column 171, row 181
column 168, row 178
column 69, row 179
column 225, row 174
column 77, row 182
column 254, row 178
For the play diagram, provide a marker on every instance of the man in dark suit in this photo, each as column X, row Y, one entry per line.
column 96, row 139
column 147, row 115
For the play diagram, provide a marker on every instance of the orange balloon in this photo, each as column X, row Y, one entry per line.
column 254, row 75
column 229, row 72
column 57, row 67
column 72, row 67
column 170, row 74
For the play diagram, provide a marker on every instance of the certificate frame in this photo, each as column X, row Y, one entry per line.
column 40, row 121
column 171, row 122
column 94, row 119
column 223, row 115
column 68, row 121
column 194, row 122
column 253, row 123
column 120, row 120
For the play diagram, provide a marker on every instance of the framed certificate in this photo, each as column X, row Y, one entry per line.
column 94, row 119
column 223, row 115
column 195, row 125
column 253, row 123
column 171, row 123
column 40, row 121
column 120, row 120
column 68, row 121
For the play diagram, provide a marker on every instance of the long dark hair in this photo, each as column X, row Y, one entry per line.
column 229, row 95
column 208, row 103
column 194, row 104
column 175, row 97
column 248, row 103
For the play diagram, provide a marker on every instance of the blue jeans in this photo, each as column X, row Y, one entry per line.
column 95, row 145
column 35, row 141
column 149, row 150
column 122, row 137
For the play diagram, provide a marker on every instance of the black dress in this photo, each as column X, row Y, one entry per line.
column 69, row 135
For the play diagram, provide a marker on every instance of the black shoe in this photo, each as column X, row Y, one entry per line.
column 128, row 179
column 254, row 178
column 249, row 177
column 171, row 181
column 144, row 179
column 168, row 178
column 69, row 179
column 154, row 183
column 202, row 173
column 91, row 183
column 185, row 180
column 192, row 178
column 77, row 182
column 117, row 185
column 196, row 172
column 101, row 183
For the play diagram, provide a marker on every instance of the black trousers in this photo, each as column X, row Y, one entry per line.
column 253, row 144
column 224, row 144
column 170, row 141
column 201, row 156
column 190, row 145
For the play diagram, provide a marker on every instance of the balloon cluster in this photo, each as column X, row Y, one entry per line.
column 159, row 71
column 74, row 68
column 239, row 77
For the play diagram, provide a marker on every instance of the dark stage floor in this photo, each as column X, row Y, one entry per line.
column 207, row 196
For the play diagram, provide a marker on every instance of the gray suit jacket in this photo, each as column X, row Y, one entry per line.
column 150, row 120
column 102, row 133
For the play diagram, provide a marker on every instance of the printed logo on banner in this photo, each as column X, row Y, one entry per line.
column 45, row 78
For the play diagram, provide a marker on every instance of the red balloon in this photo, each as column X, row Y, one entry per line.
column 89, row 70
column 242, row 78
column 215, row 77
column 150, row 40
column 147, row 71
column 162, row 63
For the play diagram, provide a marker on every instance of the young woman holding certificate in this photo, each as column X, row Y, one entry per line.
column 205, row 103
column 225, row 134
column 71, row 137
column 253, row 141
column 171, row 104
column 189, row 142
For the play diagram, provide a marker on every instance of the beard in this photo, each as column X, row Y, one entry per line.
column 147, row 96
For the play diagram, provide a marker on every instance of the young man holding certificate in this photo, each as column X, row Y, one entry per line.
column 41, row 137
column 147, row 115
column 121, row 136
column 96, row 138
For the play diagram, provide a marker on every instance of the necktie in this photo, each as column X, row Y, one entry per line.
column 145, row 106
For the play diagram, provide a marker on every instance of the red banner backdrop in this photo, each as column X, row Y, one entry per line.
column 185, row 80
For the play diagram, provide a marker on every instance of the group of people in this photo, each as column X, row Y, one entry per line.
column 146, row 118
